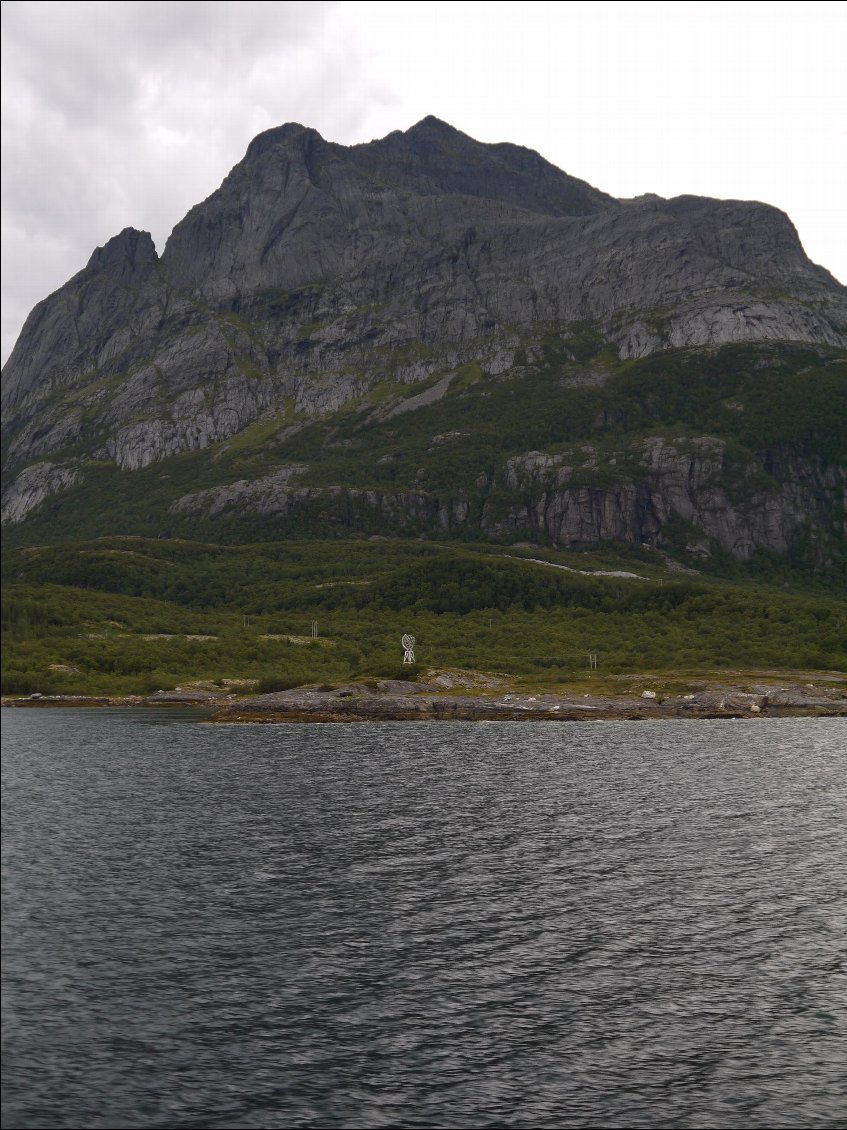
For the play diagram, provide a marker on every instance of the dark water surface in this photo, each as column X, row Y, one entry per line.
column 593, row 924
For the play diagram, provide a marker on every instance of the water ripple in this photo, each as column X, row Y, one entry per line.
column 454, row 925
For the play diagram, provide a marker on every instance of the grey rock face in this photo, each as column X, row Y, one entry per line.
column 546, row 497
column 33, row 486
column 265, row 497
column 668, row 481
column 313, row 261
column 92, row 320
column 317, row 271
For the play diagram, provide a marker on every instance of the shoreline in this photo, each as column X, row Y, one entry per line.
column 395, row 701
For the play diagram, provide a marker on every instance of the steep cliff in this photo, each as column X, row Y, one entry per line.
column 385, row 280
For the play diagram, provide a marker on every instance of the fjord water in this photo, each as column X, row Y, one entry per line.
column 415, row 925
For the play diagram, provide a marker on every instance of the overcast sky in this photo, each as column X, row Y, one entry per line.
column 126, row 114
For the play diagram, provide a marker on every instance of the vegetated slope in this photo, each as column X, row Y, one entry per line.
column 127, row 615
column 406, row 335
column 720, row 455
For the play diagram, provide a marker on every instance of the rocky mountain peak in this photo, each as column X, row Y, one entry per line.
column 124, row 255
column 320, row 276
column 287, row 136
column 434, row 158
column 432, row 124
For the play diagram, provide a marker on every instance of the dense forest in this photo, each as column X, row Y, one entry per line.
column 132, row 615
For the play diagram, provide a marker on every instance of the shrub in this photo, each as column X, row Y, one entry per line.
column 273, row 683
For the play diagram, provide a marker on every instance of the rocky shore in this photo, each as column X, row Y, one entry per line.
column 399, row 701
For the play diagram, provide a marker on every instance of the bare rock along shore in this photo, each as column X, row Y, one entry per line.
column 396, row 701
column 399, row 701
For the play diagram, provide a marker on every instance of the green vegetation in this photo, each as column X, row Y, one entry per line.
column 769, row 405
column 121, row 615
column 108, row 590
column 756, row 398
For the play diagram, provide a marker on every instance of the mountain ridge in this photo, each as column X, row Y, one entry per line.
column 321, row 280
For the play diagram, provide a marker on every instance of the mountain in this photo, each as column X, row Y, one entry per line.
column 426, row 333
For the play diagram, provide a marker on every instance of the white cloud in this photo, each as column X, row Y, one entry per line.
column 120, row 114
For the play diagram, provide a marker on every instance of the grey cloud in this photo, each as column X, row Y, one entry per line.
column 120, row 114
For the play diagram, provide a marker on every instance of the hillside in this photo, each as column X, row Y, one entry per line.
column 132, row 615
column 426, row 335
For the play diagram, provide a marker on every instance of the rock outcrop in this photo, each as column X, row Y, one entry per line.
column 33, row 486
column 311, row 257
column 401, row 701
column 411, row 702
column 663, row 481
column 318, row 273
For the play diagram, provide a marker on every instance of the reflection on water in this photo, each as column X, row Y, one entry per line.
column 452, row 925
